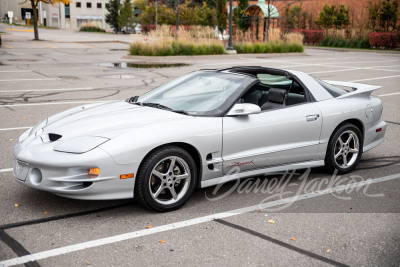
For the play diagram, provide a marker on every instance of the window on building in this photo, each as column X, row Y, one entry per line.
column 78, row 4
column 89, row 5
column 67, row 14
column 98, row 5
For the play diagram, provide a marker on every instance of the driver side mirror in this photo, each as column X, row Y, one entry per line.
column 243, row 109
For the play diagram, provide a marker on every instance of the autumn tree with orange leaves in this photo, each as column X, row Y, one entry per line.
column 34, row 4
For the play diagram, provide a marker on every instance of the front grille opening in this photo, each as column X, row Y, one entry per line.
column 86, row 184
column 54, row 137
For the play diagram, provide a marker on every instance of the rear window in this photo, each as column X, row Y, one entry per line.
column 334, row 91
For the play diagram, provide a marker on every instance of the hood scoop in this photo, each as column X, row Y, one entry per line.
column 54, row 137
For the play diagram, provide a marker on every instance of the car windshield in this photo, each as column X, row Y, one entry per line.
column 207, row 93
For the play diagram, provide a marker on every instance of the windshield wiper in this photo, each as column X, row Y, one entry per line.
column 134, row 100
column 157, row 105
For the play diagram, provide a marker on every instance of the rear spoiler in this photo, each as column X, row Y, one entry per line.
column 358, row 88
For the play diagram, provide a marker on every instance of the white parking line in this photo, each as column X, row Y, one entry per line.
column 377, row 78
column 6, row 170
column 42, row 79
column 390, row 94
column 15, row 71
column 173, row 226
column 46, row 90
column 57, row 103
column 12, row 129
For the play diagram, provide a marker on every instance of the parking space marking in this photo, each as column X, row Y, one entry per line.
column 6, row 170
column 19, row 30
column 390, row 94
column 49, row 45
column 182, row 224
column 280, row 243
column 15, row 71
column 42, row 79
column 16, row 128
column 91, row 46
column 59, row 103
column 46, row 90
column 377, row 78
column 7, row 46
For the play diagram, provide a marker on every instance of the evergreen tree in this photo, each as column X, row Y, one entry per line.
column 373, row 12
column 387, row 15
column 238, row 15
column 126, row 16
column 332, row 16
column 112, row 16
column 222, row 15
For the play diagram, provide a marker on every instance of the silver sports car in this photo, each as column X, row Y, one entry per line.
column 194, row 130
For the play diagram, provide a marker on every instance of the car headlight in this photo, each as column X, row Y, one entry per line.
column 79, row 145
column 39, row 126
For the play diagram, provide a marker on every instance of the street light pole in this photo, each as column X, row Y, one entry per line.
column 230, row 26
column 156, row 15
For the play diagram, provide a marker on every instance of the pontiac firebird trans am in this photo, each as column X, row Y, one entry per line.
column 195, row 131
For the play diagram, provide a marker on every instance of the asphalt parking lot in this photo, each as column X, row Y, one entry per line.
column 315, row 225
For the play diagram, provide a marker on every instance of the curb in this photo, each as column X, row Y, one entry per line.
column 342, row 49
column 238, row 56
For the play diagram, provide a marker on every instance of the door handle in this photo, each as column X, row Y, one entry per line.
column 312, row 117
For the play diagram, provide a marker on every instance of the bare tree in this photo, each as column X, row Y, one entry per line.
column 35, row 4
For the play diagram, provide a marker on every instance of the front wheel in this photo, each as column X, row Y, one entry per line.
column 166, row 179
column 344, row 149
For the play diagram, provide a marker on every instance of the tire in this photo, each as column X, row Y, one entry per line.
column 166, row 179
column 344, row 149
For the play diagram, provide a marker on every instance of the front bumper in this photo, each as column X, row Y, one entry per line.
column 38, row 166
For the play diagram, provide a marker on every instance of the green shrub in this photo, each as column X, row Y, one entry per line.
column 91, row 29
column 346, row 43
column 175, row 48
column 268, row 47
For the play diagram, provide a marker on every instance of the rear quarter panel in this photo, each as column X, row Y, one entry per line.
column 335, row 111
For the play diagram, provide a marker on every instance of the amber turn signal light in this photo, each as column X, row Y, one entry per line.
column 125, row 176
column 94, row 172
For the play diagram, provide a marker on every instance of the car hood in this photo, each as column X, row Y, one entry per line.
column 106, row 120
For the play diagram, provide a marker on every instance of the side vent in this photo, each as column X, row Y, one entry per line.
column 54, row 137
column 208, row 158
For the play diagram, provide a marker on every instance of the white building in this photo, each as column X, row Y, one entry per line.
column 70, row 16
column 14, row 6
column 75, row 14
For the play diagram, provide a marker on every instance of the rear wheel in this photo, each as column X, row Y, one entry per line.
column 166, row 179
column 344, row 149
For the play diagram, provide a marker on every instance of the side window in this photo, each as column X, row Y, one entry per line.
column 274, row 91
column 256, row 94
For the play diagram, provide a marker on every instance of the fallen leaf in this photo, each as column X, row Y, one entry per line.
column 46, row 212
column 350, row 208
column 149, row 226
column 260, row 210
column 328, row 250
column 271, row 221
column 88, row 262
column 162, row 241
column 23, row 118
column 16, row 205
column 11, row 139
column 241, row 192
column 293, row 239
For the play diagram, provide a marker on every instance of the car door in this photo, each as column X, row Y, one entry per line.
column 274, row 137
